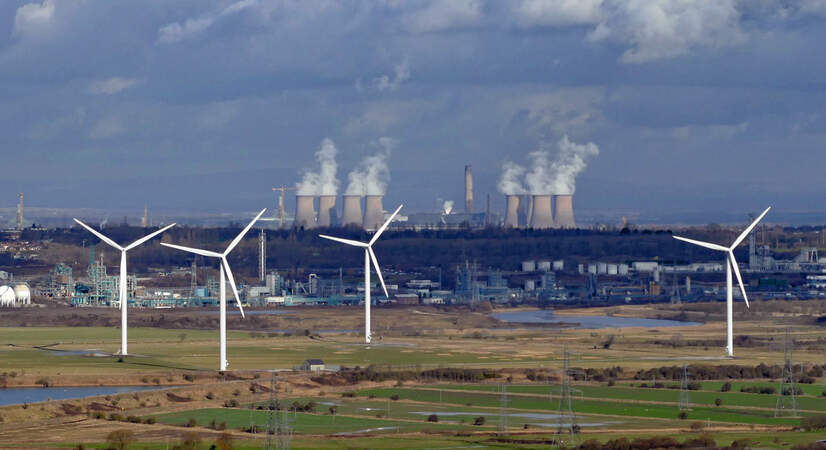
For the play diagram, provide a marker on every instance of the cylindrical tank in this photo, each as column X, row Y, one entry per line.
column 22, row 294
column 564, row 211
column 613, row 269
column 530, row 285
column 544, row 266
column 512, row 211
column 304, row 211
column 6, row 296
column 373, row 212
column 602, row 268
column 559, row 264
column 541, row 217
column 351, row 215
column 528, row 266
column 326, row 211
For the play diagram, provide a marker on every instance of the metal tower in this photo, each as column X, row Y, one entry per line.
column 503, row 410
column 193, row 283
column 786, row 399
column 566, row 406
column 685, row 399
column 262, row 255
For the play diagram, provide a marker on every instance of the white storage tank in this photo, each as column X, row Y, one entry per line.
column 559, row 264
column 602, row 268
column 530, row 285
column 544, row 266
column 6, row 296
column 22, row 294
column 613, row 269
column 623, row 269
column 528, row 266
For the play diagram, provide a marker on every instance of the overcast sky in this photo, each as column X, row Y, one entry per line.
column 693, row 104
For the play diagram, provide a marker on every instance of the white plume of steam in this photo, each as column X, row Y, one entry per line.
column 509, row 182
column 373, row 174
column 559, row 177
column 447, row 207
column 323, row 182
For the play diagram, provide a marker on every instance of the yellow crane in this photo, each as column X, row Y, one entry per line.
column 283, row 189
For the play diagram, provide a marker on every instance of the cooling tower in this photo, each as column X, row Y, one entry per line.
column 351, row 215
column 564, row 211
column 304, row 212
column 373, row 212
column 468, row 190
column 541, row 217
column 326, row 211
column 512, row 211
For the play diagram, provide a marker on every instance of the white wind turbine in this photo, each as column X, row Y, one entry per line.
column 122, row 297
column 731, row 262
column 368, row 256
column 226, row 272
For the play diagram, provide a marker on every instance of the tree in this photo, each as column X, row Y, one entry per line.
column 718, row 401
column 433, row 418
column 120, row 439
column 224, row 442
column 479, row 421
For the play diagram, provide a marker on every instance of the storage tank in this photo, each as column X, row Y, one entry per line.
column 512, row 211
column 541, row 217
column 304, row 211
column 528, row 266
column 559, row 264
column 6, row 296
column 351, row 214
column 544, row 266
column 564, row 211
column 22, row 294
column 326, row 211
column 373, row 212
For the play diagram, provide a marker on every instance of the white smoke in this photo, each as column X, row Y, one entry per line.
column 323, row 182
column 373, row 174
column 547, row 176
column 447, row 207
column 509, row 183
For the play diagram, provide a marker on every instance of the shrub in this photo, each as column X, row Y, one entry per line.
column 210, row 396
column 189, row 377
column 696, row 426
column 433, row 418
column 120, row 439
column 479, row 421
column 742, row 443
column 149, row 420
column 43, row 382
column 133, row 419
column 236, row 393
column 725, row 387
column 99, row 415
column 682, row 415
column 189, row 441
column 811, row 423
column 116, row 417
column 394, row 397
column 718, row 401
column 224, row 442
column 348, row 394
column 231, row 403
column 191, row 422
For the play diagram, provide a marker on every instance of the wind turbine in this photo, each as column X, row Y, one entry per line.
column 368, row 256
column 122, row 296
column 226, row 272
column 731, row 262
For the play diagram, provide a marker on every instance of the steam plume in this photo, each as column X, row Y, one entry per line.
column 509, row 183
column 323, row 182
column 373, row 174
column 559, row 176
column 447, row 207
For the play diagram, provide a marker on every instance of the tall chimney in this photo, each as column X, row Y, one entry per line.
column 541, row 217
column 145, row 219
column 304, row 211
column 564, row 211
column 351, row 214
column 468, row 190
column 326, row 210
column 20, row 213
column 373, row 212
column 512, row 211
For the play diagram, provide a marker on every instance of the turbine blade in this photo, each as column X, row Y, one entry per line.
column 147, row 237
column 384, row 227
column 344, row 241
column 197, row 251
column 703, row 244
column 99, row 235
column 378, row 270
column 232, row 283
column 243, row 232
column 733, row 263
column 748, row 230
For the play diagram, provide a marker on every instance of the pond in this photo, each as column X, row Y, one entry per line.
column 543, row 316
column 16, row 396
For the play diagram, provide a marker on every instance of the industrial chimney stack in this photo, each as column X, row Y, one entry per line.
column 20, row 213
column 541, row 217
column 512, row 211
column 373, row 212
column 326, row 210
column 564, row 211
column 145, row 218
column 304, row 211
column 468, row 190
column 351, row 214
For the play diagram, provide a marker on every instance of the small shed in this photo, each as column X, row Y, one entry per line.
column 312, row 365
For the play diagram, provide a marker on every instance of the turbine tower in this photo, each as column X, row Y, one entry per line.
column 368, row 256
column 731, row 263
column 122, row 297
column 226, row 272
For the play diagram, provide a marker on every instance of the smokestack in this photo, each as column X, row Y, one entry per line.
column 468, row 190
column 20, row 213
column 351, row 215
column 326, row 210
column 564, row 211
column 512, row 211
column 304, row 211
column 373, row 212
column 541, row 217
column 145, row 219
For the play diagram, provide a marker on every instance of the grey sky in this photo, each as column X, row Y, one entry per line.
column 715, row 104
